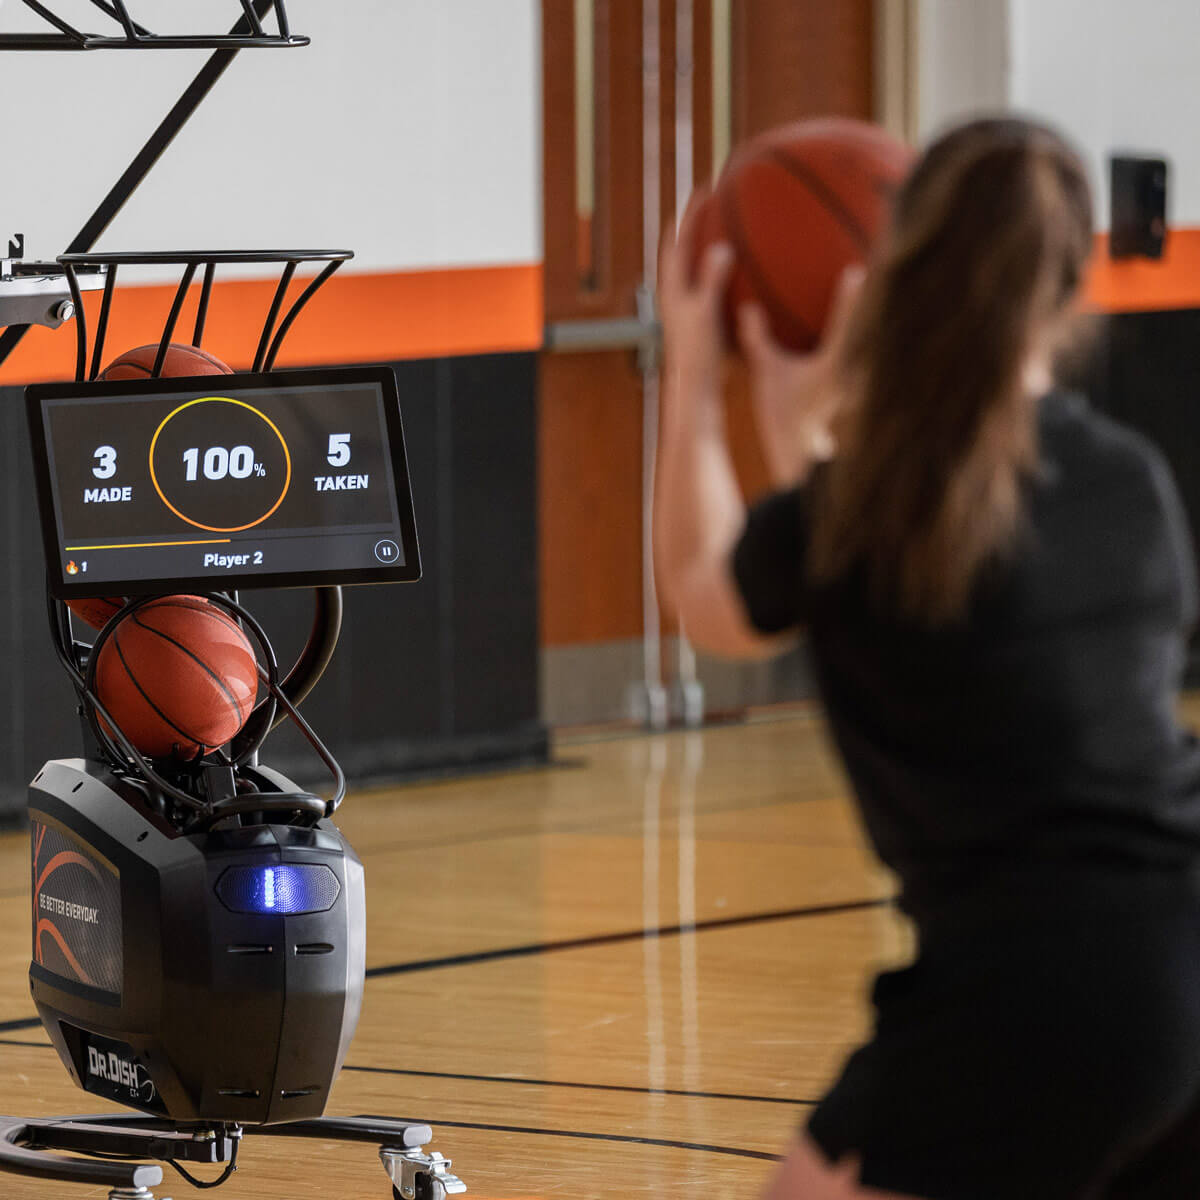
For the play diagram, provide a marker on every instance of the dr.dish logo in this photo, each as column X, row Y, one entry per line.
column 114, row 1069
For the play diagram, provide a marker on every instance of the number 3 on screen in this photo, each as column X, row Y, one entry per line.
column 106, row 458
column 339, row 449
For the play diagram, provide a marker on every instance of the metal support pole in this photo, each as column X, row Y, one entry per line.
column 650, row 699
column 687, row 692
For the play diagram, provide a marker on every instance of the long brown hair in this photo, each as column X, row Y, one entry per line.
column 990, row 235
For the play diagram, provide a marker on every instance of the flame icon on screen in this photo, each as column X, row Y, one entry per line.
column 72, row 568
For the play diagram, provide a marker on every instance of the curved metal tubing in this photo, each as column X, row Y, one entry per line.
column 304, row 297
column 256, row 27
column 260, row 802
column 318, row 650
column 272, row 316
column 202, row 306
column 305, row 673
column 157, row 1138
column 110, row 282
column 16, row 1156
column 334, row 767
column 271, row 338
column 172, row 319
column 118, row 10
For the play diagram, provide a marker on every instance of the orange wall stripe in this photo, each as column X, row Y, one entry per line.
column 375, row 317
column 353, row 318
column 1143, row 284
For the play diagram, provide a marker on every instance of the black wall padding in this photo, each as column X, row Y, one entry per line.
column 1144, row 371
column 432, row 676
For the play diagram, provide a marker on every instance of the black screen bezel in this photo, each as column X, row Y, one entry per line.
column 385, row 377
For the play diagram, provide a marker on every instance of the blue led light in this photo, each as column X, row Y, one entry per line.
column 284, row 888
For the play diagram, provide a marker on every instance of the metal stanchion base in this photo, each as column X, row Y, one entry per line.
column 687, row 702
column 649, row 705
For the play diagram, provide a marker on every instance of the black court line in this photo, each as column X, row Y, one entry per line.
column 23, row 1023
column 526, row 1082
column 619, row 826
column 625, row 1139
column 602, row 939
column 581, row 1135
column 632, row 935
column 521, row 1080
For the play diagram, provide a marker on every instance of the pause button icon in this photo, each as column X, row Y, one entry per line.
column 387, row 551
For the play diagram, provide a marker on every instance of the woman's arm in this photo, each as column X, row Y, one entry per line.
column 699, row 516
column 699, row 511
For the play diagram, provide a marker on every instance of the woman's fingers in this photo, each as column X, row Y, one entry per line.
column 677, row 253
column 668, row 264
column 715, row 269
column 754, row 335
column 844, row 296
column 678, row 244
column 687, row 230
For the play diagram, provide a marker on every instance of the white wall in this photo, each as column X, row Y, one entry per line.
column 961, row 59
column 1116, row 74
column 1112, row 74
column 413, row 138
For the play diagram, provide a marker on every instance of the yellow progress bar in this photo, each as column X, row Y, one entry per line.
column 147, row 545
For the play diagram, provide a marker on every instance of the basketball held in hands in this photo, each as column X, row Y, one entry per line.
column 799, row 205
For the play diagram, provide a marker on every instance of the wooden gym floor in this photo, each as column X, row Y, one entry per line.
column 626, row 976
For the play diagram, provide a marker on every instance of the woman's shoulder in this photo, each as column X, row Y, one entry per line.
column 1080, row 445
column 1107, row 499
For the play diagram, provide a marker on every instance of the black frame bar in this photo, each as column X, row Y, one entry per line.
column 253, row 35
column 149, row 154
column 26, row 1143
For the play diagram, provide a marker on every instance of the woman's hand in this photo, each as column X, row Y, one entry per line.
column 796, row 396
column 691, row 315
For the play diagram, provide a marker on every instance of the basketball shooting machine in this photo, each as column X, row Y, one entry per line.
column 199, row 927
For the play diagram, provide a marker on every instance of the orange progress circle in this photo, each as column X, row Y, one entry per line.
column 287, row 482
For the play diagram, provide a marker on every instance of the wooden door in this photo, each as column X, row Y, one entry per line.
column 770, row 60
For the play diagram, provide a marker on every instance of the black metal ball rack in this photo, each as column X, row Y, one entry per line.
column 223, row 786
column 127, row 34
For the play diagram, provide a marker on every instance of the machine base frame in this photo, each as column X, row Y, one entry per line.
column 27, row 1148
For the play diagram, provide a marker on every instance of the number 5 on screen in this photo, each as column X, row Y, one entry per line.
column 339, row 449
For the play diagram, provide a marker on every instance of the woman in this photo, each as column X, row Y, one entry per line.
column 996, row 584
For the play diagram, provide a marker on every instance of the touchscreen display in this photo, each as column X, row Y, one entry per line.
column 286, row 479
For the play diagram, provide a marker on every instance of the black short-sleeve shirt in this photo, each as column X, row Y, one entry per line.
column 1044, row 726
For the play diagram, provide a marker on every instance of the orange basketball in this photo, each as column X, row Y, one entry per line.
column 800, row 204
column 180, row 361
column 179, row 676
column 96, row 610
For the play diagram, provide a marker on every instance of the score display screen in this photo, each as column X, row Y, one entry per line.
column 228, row 481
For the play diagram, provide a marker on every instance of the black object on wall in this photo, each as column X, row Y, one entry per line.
column 1139, row 206
column 433, row 676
